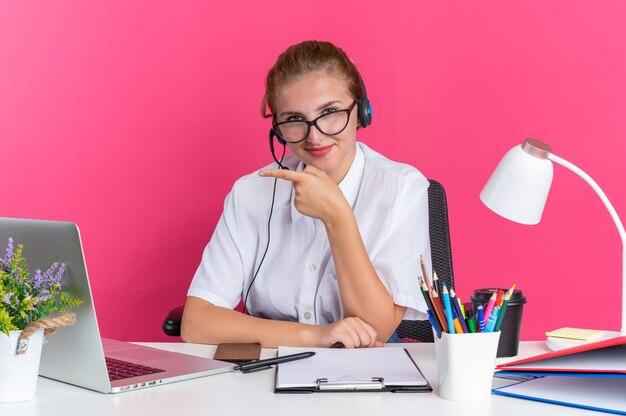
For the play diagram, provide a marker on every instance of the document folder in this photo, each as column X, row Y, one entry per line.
column 589, row 376
column 350, row 370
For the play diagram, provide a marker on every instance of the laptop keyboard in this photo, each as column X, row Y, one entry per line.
column 119, row 369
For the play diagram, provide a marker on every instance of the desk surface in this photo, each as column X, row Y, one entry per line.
column 253, row 394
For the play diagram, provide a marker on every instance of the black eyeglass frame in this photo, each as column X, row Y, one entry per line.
column 313, row 122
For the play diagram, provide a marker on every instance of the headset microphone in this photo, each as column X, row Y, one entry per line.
column 281, row 141
column 269, row 220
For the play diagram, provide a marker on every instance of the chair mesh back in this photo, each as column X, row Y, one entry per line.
column 441, row 255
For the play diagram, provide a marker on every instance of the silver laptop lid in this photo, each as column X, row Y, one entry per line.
column 76, row 357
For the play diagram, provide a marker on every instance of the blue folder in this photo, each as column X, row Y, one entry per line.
column 605, row 393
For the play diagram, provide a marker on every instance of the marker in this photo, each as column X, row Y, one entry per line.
column 490, row 305
column 448, row 308
column 471, row 324
column 462, row 307
column 481, row 318
column 499, row 298
column 493, row 318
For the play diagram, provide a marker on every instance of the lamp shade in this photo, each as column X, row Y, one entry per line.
column 518, row 188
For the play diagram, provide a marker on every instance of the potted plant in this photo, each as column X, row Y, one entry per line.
column 32, row 306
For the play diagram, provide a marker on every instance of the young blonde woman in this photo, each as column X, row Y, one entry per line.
column 325, row 251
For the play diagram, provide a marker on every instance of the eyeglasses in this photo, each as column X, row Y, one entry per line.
column 330, row 124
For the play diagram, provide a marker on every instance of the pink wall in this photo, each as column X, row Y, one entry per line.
column 133, row 119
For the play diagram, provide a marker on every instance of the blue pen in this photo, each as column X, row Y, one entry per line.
column 493, row 318
column 481, row 318
column 448, row 307
column 434, row 323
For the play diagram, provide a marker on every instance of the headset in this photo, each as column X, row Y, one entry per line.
column 364, row 110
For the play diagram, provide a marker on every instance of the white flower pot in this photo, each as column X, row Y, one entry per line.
column 18, row 373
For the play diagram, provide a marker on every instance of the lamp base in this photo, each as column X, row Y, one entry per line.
column 556, row 344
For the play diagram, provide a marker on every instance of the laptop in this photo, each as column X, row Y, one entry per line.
column 76, row 354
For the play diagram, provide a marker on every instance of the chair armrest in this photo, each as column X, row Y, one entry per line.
column 171, row 324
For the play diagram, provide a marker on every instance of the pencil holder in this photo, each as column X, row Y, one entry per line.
column 512, row 324
column 465, row 365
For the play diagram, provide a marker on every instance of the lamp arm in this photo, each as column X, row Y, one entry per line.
column 616, row 220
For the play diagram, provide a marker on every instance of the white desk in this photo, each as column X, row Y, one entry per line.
column 253, row 394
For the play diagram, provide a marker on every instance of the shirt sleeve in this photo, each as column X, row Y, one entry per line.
column 219, row 278
column 397, row 261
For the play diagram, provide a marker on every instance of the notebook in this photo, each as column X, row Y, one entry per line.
column 340, row 369
column 76, row 354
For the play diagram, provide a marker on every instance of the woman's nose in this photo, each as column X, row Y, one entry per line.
column 315, row 135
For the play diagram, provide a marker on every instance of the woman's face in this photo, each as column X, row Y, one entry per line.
column 309, row 97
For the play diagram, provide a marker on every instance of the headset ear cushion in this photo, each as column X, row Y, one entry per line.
column 365, row 112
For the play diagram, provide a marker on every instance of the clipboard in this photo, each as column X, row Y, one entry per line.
column 388, row 369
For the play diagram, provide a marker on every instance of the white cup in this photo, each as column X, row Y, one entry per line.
column 465, row 363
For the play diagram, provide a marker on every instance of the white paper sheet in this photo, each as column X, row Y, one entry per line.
column 348, row 365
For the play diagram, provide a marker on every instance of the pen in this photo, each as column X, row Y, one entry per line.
column 480, row 318
column 263, row 364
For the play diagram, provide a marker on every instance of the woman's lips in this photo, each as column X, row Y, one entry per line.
column 320, row 151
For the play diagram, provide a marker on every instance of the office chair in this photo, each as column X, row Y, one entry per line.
column 441, row 254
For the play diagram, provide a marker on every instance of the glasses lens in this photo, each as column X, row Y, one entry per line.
column 292, row 131
column 333, row 123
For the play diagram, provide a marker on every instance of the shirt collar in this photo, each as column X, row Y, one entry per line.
column 349, row 185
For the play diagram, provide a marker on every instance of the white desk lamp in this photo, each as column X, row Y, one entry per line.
column 518, row 189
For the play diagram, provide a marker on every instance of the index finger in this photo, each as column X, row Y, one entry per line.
column 288, row 175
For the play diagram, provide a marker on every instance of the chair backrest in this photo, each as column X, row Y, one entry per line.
column 441, row 255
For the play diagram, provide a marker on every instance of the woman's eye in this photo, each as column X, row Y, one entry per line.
column 329, row 110
column 294, row 118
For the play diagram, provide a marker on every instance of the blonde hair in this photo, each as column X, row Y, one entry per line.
column 308, row 57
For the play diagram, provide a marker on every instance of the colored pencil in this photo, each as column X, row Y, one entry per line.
column 448, row 308
column 439, row 310
column 436, row 282
column 457, row 309
column 505, row 303
column 425, row 272
column 490, row 305
column 493, row 318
